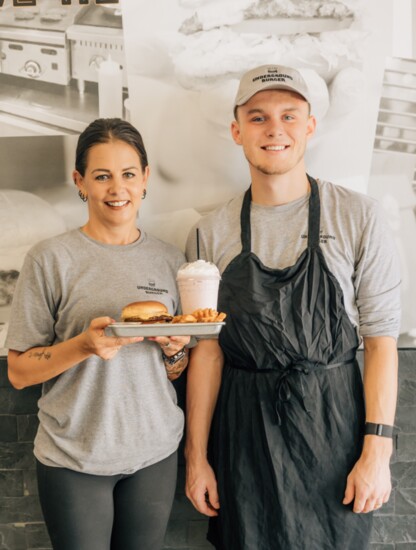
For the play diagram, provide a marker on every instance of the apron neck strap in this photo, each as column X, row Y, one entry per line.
column 245, row 221
column 313, row 220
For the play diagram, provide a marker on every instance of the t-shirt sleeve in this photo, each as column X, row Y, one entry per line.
column 31, row 318
column 377, row 278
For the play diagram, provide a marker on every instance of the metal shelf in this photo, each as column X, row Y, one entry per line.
column 391, row 103
column 396, row 113
column 397, row 126
column 395, row 140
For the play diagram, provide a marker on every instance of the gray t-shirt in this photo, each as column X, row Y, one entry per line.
column 99, row 417
column 356, row 241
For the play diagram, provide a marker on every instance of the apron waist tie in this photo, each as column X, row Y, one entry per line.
column 303, row 368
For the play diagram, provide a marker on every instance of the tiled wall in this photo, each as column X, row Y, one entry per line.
column 21, row 525
column 22, row 528
column 395, row 525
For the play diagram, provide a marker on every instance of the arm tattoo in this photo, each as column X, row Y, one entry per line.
column 44, row 354
column 174, row 371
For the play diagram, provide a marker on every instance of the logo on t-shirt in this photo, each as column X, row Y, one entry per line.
column 324, row 237
column 151, row 288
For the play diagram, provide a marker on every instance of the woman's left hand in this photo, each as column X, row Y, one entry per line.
column 171, row 344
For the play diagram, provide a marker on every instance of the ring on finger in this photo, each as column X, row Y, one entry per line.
column 167, row 345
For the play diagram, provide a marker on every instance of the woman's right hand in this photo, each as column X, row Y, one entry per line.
column 106, row 347
column 41, row 363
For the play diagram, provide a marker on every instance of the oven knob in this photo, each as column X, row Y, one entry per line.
column 32, row 69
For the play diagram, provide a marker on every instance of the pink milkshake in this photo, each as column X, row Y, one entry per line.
column 198, row 284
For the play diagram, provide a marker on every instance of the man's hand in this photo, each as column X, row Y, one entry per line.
column 369, row 483
column 201, row 488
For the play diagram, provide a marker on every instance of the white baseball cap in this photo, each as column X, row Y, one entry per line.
column 270, row 77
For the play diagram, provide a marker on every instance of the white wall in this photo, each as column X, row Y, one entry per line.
column 403, row 23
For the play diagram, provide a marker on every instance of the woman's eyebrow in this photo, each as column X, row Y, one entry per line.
column 107, row 170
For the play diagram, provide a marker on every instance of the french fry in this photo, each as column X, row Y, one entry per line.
column 207, row 315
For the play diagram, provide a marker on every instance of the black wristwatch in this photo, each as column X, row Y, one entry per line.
column 174, row 358
column 383, row 430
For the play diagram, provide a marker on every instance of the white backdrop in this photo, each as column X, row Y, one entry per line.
column 182, row 86
column 180, row 91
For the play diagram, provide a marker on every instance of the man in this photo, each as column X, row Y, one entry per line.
column 308, row 270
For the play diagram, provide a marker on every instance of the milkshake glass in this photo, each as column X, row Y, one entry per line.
column 198, row 284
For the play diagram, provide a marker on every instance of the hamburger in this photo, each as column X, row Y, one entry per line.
column 146, row 313
column 216, row 15
column 222, row 39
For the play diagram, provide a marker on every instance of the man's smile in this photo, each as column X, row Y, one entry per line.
column 275, row 147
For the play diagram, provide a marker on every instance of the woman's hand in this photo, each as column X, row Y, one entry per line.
column 39, row 364
column 171, row 344
column 106, row 347
column 170, row 347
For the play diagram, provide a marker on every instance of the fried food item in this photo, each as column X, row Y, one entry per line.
column 206, row 315
column 220, row 317
column 184, row 319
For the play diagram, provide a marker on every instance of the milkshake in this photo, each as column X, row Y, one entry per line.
column 198, row 284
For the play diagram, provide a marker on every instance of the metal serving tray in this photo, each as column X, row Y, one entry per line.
column 164, row 329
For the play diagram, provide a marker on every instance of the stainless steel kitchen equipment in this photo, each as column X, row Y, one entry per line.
column 50, row 56
column 96, row 36
column 33, row 41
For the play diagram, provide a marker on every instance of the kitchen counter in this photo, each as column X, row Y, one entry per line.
column 51, row 105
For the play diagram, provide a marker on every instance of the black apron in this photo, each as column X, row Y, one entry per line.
column 288, row 426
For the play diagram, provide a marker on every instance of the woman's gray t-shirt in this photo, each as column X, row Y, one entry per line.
column 99, row 417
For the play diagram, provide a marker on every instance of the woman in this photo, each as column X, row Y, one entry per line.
column 109, row 423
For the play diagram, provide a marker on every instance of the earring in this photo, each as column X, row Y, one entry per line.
column 144, row 194
column 83, row 197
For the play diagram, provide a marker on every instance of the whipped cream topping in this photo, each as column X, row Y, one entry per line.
column 198, row 268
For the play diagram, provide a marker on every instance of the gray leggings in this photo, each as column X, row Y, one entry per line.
column 120, row 512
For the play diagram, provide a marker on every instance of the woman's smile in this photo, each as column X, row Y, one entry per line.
column 117, row 204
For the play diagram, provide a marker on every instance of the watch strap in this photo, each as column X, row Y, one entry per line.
column 383, row 430
column 174, row 358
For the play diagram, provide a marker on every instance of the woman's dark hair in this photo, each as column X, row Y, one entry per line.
column 104, row 130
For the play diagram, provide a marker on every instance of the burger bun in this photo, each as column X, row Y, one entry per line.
column 146, row 312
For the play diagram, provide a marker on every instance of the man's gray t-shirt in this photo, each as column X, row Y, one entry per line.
column 356, row 241
column 99, row 417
